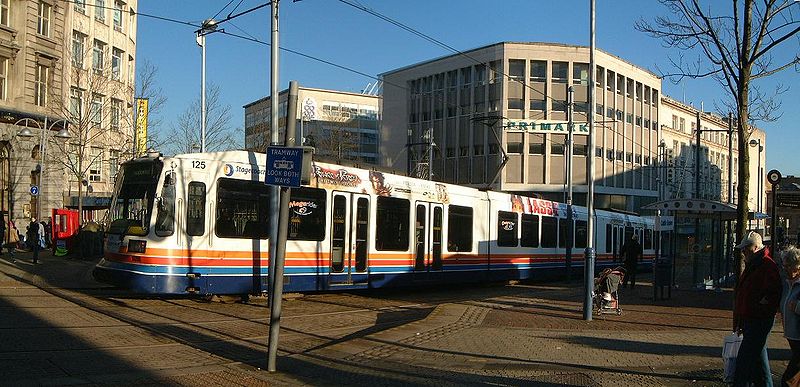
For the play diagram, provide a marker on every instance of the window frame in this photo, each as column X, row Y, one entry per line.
column 456, row 226
column 507, row 227
column 44, row 14
column 392, row 219
column 196, row 225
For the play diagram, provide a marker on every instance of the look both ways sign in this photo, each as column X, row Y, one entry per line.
column 288, row 166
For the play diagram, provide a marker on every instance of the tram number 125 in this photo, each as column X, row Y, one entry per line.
column 197, row 164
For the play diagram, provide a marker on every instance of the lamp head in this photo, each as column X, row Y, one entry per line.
column 63, row 133
column 25, row 132
column 754, row 142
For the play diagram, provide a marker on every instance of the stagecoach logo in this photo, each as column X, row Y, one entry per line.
column 228, row 170
column 336, row 177
column 302, row 208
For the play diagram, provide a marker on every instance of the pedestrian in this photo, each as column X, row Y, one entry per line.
column 791, row 312
column 758, row 296
column 33, row 236
column 11, row 239
column 632, row 253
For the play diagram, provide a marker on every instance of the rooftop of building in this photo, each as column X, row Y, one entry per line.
column 542, row 44
column 285, row 91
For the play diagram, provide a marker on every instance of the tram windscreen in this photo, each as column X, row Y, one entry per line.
column 132, row 203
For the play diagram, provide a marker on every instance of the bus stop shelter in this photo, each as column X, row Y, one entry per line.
column 699, row 247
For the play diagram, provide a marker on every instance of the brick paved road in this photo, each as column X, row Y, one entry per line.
column 59, row 327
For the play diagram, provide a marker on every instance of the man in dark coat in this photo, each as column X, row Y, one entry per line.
column 632, row 252
column 758, row 295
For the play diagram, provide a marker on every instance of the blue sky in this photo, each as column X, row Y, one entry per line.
column 339, row 33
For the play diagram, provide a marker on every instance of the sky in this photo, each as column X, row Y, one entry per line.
column 339, row 33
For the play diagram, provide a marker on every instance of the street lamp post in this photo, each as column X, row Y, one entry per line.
column 209, row 26
column 760, row 170
column 41, row 166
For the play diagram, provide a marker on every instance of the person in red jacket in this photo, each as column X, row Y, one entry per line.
column 758, row 295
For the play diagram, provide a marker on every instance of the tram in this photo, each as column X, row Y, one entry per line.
column 199, row 224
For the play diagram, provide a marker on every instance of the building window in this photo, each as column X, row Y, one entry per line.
column 100, row 10
column 116, row 63
column 78, row 48
column 43, row 18
column 116, row 111
column 4, row 12
column 557, row 145
column 96, row 164
column 96, row 113
column 75, row 103
column 514, row 146
column 98, row 52
column 683, row 125
column 80, row 6
column 580, row 74
column 559, row 74
column 118, row 16
column 40, row 84
column 3, row 78
column 538, row 71
column 113, row 164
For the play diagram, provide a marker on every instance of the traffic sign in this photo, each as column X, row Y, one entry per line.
column 34, row 190
column 788, row 198
column 288, row 166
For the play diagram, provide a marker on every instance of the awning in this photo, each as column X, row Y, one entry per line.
column 696, row 207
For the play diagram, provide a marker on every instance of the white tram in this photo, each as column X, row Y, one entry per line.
column 198, row 223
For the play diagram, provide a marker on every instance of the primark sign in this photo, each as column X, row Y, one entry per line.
column 544, row 126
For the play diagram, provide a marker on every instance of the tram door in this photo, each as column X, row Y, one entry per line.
column 349, row 239
column 428, row 241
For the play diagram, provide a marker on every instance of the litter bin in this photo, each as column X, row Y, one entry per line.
column 90, row 240
column 662, row 278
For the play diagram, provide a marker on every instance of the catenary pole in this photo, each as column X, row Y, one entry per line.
column 274, row 140
column 280, row 253
column 203, row 112
column 570, row 150
column 588, row 256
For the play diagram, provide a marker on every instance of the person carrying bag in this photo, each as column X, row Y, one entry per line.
column 730, row 348
column 790, row 311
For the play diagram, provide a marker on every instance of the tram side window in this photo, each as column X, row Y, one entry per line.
column 459, row 228
column 609, row 239
column 580, row 233
column 648, row 239
column 530, row 231
column 507, row 229
column 165, row 219
column 549, row 231
column 242, row 209
column 196, row 208
column 392, row 224
column 563, row 233
column 307, row 214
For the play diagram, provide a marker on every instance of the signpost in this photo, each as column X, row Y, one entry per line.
column 285, row 166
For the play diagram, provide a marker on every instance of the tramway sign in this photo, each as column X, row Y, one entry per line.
column 288, row 166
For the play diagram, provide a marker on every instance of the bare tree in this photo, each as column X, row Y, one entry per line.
column 736, row 46
column 337, row 140
column 98, row 119
column 147, row 87
column 220, row 135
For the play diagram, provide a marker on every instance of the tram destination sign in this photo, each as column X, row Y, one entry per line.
column 288, row 166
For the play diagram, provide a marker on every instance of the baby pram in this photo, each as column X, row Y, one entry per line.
column 606, row 295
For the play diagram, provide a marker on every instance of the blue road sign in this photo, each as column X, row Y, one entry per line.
column 284, row 166
column 34, row 190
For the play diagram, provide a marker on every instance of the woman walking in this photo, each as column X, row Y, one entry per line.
column 791, row 313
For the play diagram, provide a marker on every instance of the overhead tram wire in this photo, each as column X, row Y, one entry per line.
column 307, row 56
column 461, row 53
column 223, row 8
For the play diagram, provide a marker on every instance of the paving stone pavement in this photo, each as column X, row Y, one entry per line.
column 60, row 327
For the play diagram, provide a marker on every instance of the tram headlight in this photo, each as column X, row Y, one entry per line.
column 137, row 246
